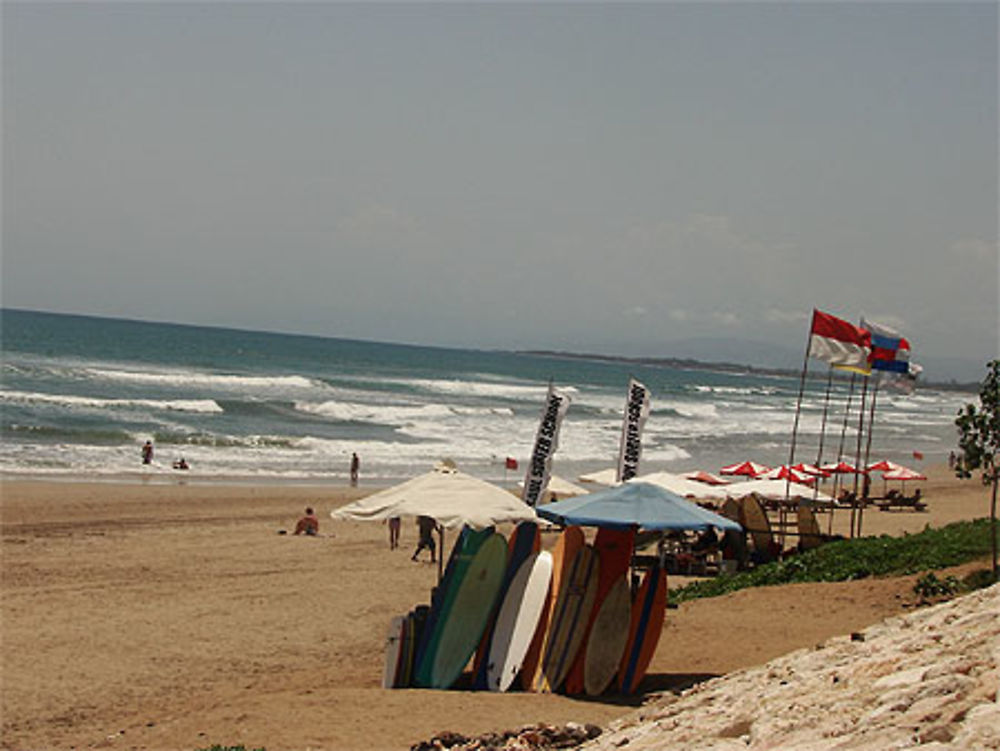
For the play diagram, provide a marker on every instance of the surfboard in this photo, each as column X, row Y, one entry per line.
column 607, row 638
column 411, row 633
column 467, row 545
column 644, row 631
column 573, row 605
column 462, row 626
column 566, row 547
column 393, row 651
column 525, row 540
column 517, row 620
column 615, row 549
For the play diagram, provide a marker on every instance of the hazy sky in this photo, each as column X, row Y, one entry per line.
column 601, row 177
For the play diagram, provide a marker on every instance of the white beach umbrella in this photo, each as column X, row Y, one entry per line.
column 775, row 490
column 450, row 497
column 682, row 486
column 607, row 477
column 558, row 488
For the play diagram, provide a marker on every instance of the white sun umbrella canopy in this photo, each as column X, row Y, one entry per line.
column 560, row 488
column 608, row 477
column 682, row 486
column 450, row 497
column 775, row 490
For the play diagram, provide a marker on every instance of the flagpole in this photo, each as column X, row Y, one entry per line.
column 798, row 404
column 795, row 432
column 843, row 435
column 855, row 506
column 822, row 430
column 868, row 451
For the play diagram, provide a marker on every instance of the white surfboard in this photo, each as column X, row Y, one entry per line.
column 518, row 619
column 393, row 648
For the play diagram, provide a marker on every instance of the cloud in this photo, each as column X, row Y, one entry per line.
column 730, row 320
column 974, row 249
column 775, row 315
column 376, row 225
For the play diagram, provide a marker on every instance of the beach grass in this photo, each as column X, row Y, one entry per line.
column 930, row 550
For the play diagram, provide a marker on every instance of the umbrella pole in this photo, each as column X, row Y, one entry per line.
column 441, row 554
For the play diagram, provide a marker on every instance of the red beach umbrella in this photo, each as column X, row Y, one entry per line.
column 903, row 474
column 706, row 477
column 784, row 472
column 811, row 469
column 746, row 469
column 884, row 466
column 841, row 468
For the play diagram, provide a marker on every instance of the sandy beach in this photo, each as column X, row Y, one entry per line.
column 175, row 617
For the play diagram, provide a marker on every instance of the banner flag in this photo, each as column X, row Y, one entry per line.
column 636, row 412
column 890, row 351
column 839, row 343
column 511, row 463
column 546, row 442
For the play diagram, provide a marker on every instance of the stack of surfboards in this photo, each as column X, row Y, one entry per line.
column 559, row 621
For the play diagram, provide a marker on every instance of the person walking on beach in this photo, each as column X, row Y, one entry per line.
column 147, row 452
column 355, row 467
column 427, row 527
column 394, row 525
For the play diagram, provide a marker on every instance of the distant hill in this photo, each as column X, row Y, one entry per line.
column 937, row 370
column 739, row 355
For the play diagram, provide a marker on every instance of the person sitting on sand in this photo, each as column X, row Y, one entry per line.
column 308, row 524
column 427, row 527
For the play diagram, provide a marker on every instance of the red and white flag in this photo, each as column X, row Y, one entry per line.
column 839, row 343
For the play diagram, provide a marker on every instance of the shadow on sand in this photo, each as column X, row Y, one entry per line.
column 653, row 683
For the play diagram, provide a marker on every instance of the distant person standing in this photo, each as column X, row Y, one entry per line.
column 355, row 468
column 394, row 525
column 147, row 452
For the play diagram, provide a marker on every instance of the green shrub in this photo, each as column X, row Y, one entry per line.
column 860, row 558
column 929, row 585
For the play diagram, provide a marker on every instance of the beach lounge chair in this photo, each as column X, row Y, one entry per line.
column 810, row 535
column 756, row 522
column 895, row 500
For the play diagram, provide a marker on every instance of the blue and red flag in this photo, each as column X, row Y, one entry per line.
column 890, row 351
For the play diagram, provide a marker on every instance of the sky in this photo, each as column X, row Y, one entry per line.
column 602, row 177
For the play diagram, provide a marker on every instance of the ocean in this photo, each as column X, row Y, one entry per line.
column 80, row 395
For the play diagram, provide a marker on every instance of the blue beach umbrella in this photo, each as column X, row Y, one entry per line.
column 642, row 504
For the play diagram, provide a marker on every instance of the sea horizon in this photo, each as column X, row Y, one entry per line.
column 81, row 393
